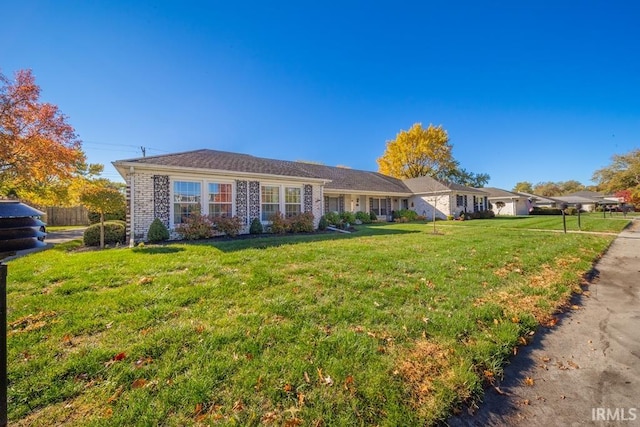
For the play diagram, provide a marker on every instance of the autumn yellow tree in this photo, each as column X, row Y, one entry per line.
column 622, row 175
column 102, row 198
column 38, row 148
column 418, row 152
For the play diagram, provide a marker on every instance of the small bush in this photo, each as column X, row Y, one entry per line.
column 301, row 223
column 373, row 216
column 196, row 227
column 114, row 233
column 323, row 223
column 256, row 226
column 571, row 211
column 347, row 217
column 333, row 218
column 279, row 224
column 230, row 226
column 364, row 217
column 158, row 232
column 401, row 219
column 450, row 217
column 408, row 214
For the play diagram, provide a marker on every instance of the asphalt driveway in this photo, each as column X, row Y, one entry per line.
column 585, row 370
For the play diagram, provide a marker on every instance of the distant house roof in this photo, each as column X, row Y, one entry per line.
column 500, row 193
column 427, row 184
column 539, row 199
column 337, row 178
column 587, row 194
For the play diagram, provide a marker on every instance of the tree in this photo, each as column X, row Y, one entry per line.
column 547, row 189
column 38, row 148
column 622, row 174
column 418, row 152
column 102, row 199
column 463, row 177
column 523, row 187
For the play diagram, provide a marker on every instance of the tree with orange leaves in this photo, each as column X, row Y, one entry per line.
column 38, row 148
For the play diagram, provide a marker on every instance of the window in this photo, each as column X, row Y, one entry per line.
column 292, row 201
column 332, row 205
column 186, row 200
column 220, row 200
column 270, row 197
column 378, row 206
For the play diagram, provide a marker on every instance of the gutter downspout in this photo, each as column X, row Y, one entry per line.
column 132, row 227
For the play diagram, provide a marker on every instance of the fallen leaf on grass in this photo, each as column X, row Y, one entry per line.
column 139, row 383
column 115, row 395
column 238, row 406
column 293, row 422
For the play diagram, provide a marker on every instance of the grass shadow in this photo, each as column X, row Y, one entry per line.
column 264, row 241
column 155, row 250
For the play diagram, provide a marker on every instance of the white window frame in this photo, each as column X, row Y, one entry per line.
column 282, row 201
column 208, row 203
column 173, row 195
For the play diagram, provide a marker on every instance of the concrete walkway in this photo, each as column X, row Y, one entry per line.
column 586, row 370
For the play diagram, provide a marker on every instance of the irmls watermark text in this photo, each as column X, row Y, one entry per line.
column 614, row 414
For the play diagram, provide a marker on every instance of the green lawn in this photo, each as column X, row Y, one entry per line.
column 592, row 222
column 392, row 325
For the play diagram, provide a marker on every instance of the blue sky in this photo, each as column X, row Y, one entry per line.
column 527, row 90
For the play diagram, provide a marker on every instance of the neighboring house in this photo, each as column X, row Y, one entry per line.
column 540, row 201
column 588, row 199
column 514, row 203
column 174, row 186
column 446, row 198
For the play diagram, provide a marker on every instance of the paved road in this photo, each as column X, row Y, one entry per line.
column 586, row 370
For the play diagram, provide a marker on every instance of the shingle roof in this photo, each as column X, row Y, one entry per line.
column 426, row 184
column 353, row 179
column 223, row 160
column 499, row 192
column 341, row 178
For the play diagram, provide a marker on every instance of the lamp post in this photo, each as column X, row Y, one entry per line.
column 19, row 230
column 579, row 208
column 564, row 206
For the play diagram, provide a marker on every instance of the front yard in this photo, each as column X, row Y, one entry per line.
column 391, row 325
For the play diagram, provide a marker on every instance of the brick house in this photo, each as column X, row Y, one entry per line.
column 173, row 186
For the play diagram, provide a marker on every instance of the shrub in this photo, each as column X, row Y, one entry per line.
column 347, row 217
column 323, row 223
column 279, row 224
column 364, row 217
column 158, row 232
column 196, row 227
column 545, row 211
column 373, row 216
column 401, row 219
column 114, row 233
column 94, row 217
column 449, row 217
column 230, row 226
column 333, row 218
column 571, row 211
column 408, row 214
column 256, row 226
column 301, row 223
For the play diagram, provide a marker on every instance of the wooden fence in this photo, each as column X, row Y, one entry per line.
column 77, row 215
